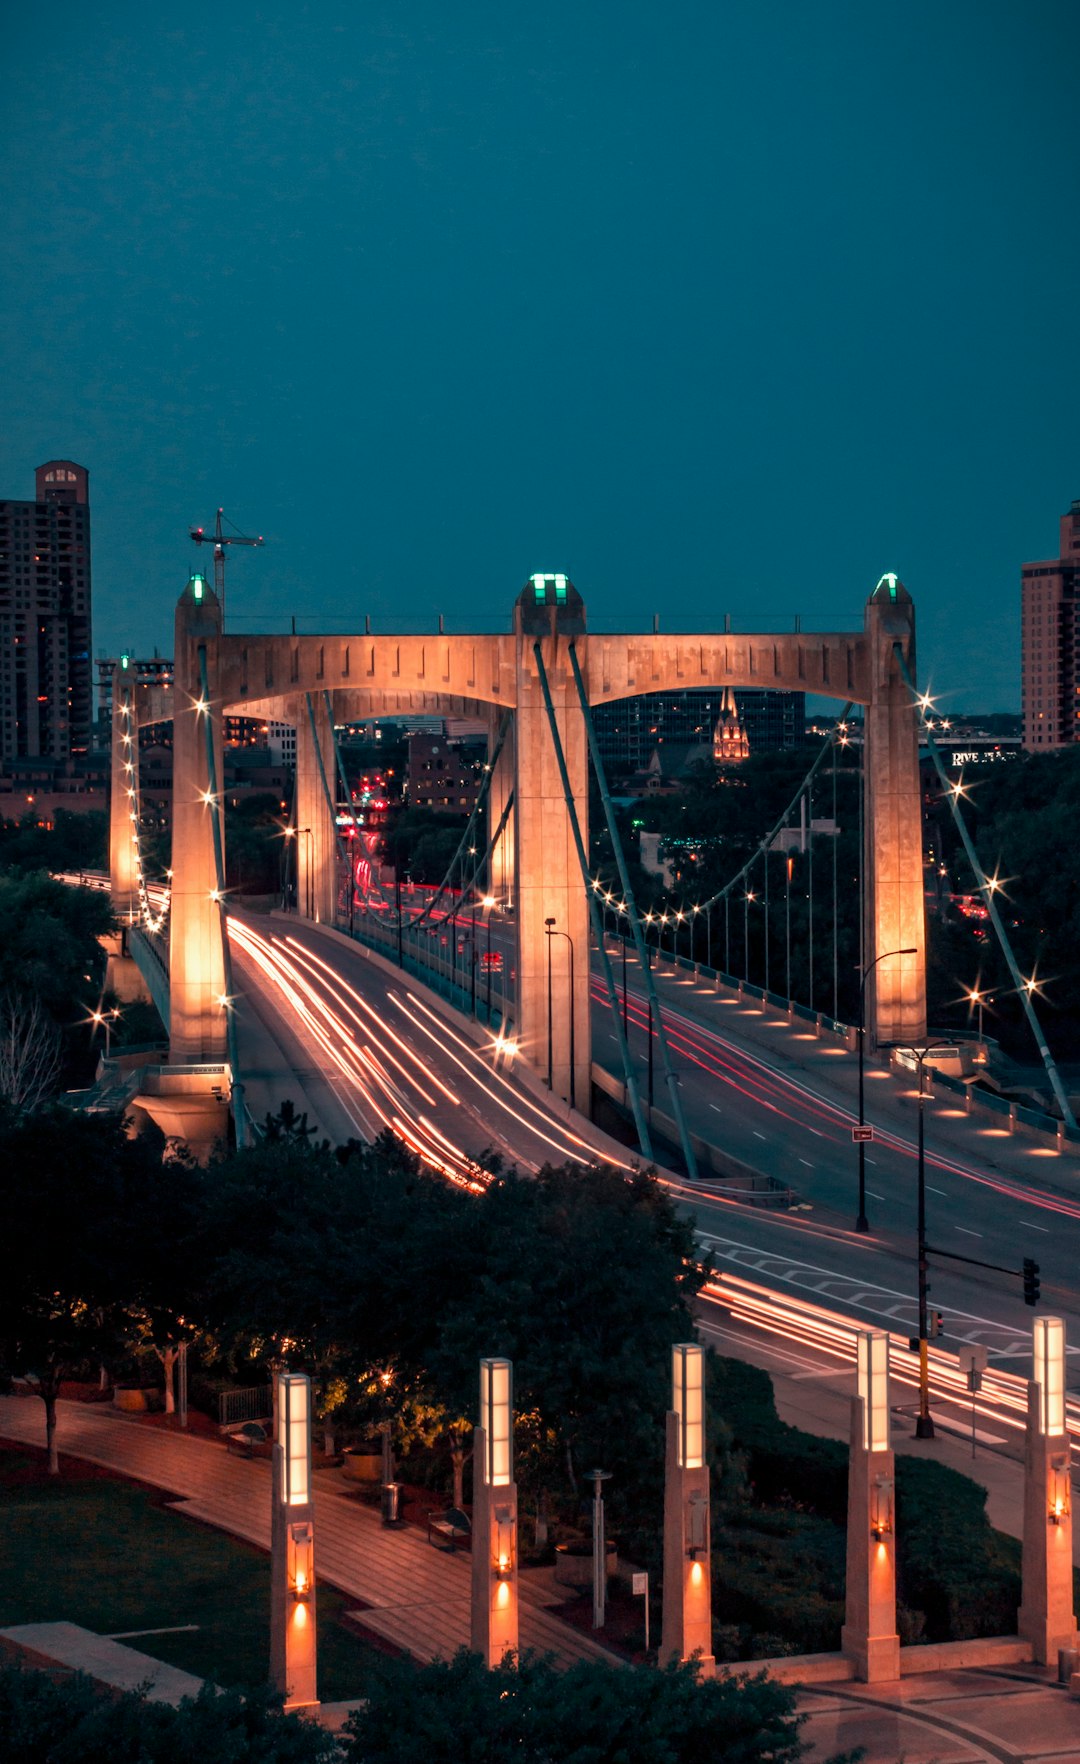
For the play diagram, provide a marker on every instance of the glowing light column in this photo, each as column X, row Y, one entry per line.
column 494, row 1539
column 686, row 1622
column 292, row 1547
column 1046, row 1618
column 123, row 780
column 869, row 1636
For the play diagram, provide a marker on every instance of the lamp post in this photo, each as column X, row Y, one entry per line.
column 550, row 932
column 861, row 1222
column 924, row 1426
column 748, row 896
column 977, row 997
column 599, row 1477
column 488, row 904
column 548, row 923
column 309, row 877
column 105, row 1020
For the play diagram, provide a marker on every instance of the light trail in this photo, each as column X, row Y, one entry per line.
column 797, row 1323
column 759, row 1083
column 397, row 1085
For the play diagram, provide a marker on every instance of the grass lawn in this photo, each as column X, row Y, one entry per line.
column 111, row 1555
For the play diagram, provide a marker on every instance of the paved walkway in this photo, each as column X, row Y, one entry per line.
column 417, row 1597
column 945, row 1718
column 81, row 1650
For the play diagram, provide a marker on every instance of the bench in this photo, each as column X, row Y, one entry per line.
column 246, row 1437
column 449, row 1525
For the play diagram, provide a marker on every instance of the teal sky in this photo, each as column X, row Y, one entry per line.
column 720, row 308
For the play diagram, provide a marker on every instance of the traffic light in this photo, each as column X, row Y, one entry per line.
column 1031, row 1281
column 937, row 1323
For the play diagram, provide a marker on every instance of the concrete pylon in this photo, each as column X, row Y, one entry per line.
column 123, row 780
column 869, row 1637
column 501, row 862
column 316, row 849
column 1046, row 1617
column 196, row 962
column 494, row 1602
column 895, row 913
column 547, row 872
column 686, row 1613
column 292, row 1547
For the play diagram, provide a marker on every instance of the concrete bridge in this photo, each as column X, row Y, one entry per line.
column 535, row 861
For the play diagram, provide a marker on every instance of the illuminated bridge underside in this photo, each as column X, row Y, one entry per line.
column 487, row 675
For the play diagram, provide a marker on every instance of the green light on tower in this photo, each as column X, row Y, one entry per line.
column 198, row 584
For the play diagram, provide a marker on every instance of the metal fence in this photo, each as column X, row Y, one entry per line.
column 256, row 1403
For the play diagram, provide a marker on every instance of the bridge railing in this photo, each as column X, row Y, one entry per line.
column 455, row 973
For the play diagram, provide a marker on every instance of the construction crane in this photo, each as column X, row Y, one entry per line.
column 219, row 540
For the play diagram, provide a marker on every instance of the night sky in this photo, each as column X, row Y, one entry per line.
column 719, row 308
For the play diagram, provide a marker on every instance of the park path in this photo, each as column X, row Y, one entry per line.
column 416, row 1596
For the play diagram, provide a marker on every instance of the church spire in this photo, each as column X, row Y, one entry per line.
column 730, row 744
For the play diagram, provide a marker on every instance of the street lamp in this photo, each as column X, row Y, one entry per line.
column 105, row 1020
column 977, row 997
column 924, row 1426
column 748, row 896
column 861, row 1223
column 550, row 932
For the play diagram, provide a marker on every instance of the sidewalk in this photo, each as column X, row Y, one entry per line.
column 415, row 1596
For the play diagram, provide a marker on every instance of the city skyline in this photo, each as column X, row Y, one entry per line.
column 721, row 314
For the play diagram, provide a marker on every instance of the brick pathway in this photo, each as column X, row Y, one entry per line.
column 418, row 1595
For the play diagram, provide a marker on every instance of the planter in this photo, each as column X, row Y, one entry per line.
column 574, row 1564
column 363, row 1465
column 132, row 1400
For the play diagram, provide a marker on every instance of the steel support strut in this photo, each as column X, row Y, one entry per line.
column 635, row 923
column 217, row 811
column 644, row 1138
column 987, row 893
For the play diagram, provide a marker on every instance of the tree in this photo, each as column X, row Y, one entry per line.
column 462, row 1713
column 87, row 1207
column 584, row 1278
column 42, row 1718
column 29, row 1051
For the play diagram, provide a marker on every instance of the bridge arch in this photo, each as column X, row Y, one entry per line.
column 487, row 674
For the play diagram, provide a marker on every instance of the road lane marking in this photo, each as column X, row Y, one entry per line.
column 807, row 1162
column 758, row 1135
column 1032, row 1227
column 874, row 1196
column 717, row 1107
column 966, row 1232
column 937, row 1191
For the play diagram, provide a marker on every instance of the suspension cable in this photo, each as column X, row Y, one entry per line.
column 632, row 913
column 988, row 890
column 644, row 1137
column 217, row 810
column 481, row 798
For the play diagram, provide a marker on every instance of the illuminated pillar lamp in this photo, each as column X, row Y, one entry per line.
column 496, row 1413
column 881, row 1508
column 1049, row 1339
column 294, row 1438
column 872, row 1368
column 504, row 1532
column 697, row 1529
column 688, row 1402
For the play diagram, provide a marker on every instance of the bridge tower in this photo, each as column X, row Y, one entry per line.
column 893, row 880
column 550, row 888
column 196, row 961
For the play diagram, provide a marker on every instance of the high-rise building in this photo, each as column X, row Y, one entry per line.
column 46, row 677
column 1050, row 643
column 629, row 729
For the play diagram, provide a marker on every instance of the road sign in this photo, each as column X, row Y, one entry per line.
column 639, row 1585
column 862, row 1135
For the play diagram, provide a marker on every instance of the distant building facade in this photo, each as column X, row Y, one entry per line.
column 444, row 773
column 46, row 677
column 1050, row 643
column 628, row 729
